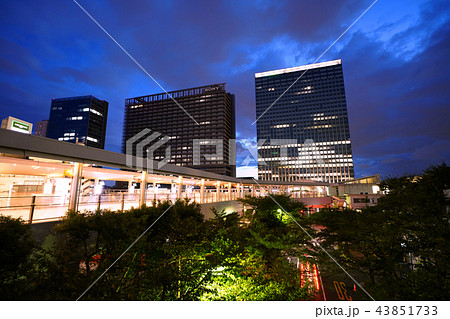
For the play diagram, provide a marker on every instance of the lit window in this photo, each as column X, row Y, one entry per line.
column 96, row 112
column 74, row 118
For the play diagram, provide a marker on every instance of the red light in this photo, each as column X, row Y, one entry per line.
column 302, row 275
column 316, row 278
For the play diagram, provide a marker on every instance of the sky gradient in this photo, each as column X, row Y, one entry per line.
column 395, row 61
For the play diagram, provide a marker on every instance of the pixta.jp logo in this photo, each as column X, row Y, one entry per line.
column 146, row 142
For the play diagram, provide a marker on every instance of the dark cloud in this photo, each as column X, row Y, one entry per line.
column 394, row 60
column 399, row 109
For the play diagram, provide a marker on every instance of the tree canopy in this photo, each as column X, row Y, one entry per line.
column 401, row 245
column 179, row 256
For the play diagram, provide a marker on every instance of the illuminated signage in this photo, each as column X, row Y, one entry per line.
column 214, row 88
column 20, row 127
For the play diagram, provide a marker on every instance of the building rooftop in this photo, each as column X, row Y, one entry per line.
column 175, row 94
column 298, row 68
column 83, row 97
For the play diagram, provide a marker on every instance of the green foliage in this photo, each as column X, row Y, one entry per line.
column 177, row 256
column 16, row 243
column 249, row 280
column 16, row 248
column 400, row 245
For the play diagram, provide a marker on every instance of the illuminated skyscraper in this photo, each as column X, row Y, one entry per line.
column 302, row 116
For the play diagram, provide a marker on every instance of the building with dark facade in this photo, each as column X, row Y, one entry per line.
column 302, row 116
column 41, row 128
column 79, row 119
column 200, row 119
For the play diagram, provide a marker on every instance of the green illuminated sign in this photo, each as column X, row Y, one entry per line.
column 20, row 126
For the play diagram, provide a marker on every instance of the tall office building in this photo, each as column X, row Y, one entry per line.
column 210, row 106
column 79, row 119
column 302, row 115
column 41, row 128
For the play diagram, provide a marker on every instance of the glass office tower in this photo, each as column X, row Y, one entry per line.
column 302, row 124
column 79, row 119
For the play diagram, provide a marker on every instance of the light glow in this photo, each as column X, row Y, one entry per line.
column 298, row 68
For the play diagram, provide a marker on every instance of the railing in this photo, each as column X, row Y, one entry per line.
column 42, row 208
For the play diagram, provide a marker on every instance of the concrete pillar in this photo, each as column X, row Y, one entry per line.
column 75, row 186
column 155, row 190
column 130, row 187
column 143, row 189
column 229, row 191
column 253, row 191
column 218, row 191
column 180, row 186
column 97, row 187
column 202, row 191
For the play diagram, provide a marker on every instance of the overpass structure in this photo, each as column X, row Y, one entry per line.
column 42, row 178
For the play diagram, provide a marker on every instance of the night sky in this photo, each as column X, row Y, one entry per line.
column 395, row 61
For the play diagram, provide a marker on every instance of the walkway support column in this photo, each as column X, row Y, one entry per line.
column 75, row 186
column 202, row 191
column 218, row 191
column 229, row 191
column 143, row 189
column 130, row 187
column 180, row 186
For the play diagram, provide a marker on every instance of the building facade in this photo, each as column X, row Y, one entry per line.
column 41, row 128
column 302, row 124
column 79, row 119
column 15, row 124
column 199, row 124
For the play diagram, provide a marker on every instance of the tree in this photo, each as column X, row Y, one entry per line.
column 179, row 256
column 16, row 248
column 401, row 244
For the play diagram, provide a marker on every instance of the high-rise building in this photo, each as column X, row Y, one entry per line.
column 15, row 124
column 79, row 119
column 41, row 128
column 202, row 119
column 302, row 116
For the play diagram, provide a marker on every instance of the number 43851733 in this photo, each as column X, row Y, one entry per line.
column 407, row 310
